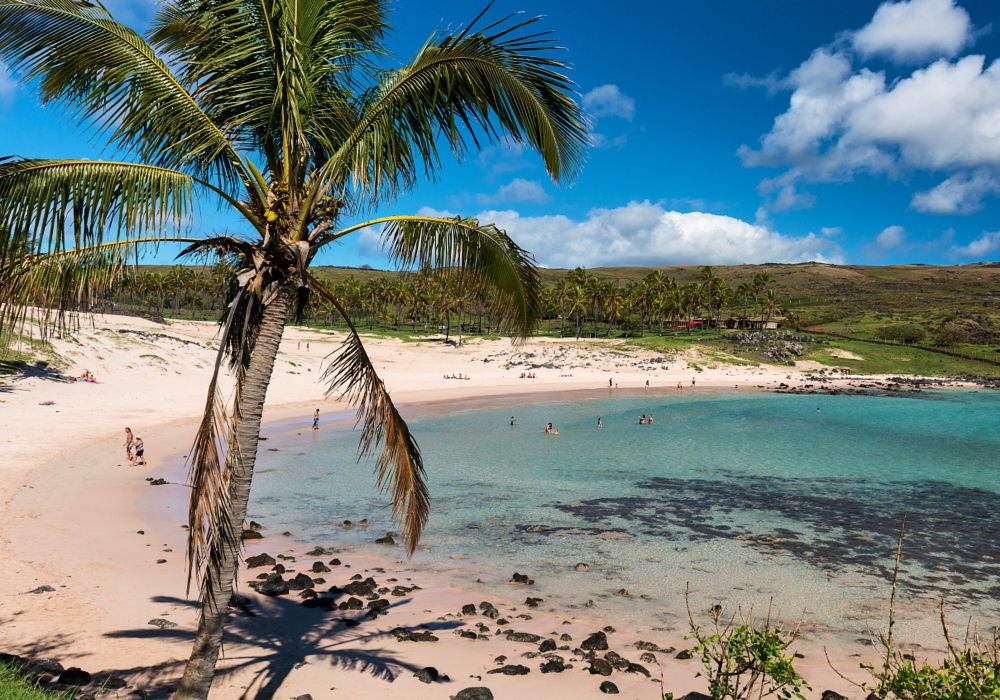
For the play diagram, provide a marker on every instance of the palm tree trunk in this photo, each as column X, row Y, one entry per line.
column 200, row 670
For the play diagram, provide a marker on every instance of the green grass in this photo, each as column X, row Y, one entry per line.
column 892, row 359
column 14, row 686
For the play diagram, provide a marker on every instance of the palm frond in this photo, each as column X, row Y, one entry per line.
column 55, row 205
column 277, row 73
column 112, row 79
column 211, row 535
column 496, row 81
column 398, row 464
column 482, row 253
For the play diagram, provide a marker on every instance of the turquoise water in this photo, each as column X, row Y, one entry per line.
column 743, row 497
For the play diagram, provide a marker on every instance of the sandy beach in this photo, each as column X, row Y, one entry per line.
column 79, row 521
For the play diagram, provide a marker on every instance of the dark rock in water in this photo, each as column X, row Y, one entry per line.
column 36, row 668
column 320, row 568
column 830, row 695
column 526, row 637
column 695, row 695
column 260, row 560
column 364, row 522
column 426, row 675
column 609, row 688
column 286, row 533
column 74, row 676
column 274, row 585
column 254, row 525
column 582, row 567
column 113, row 683
column 252, row 535
column 334, row 562
column 552, row 666
column 42, row 589
column 478, row 693
column 511, row 670
column 532, row 602
column 378, row 605
column 521, row 578
column 347, row 524
column 649, row 646
column 304, row 580
column 469, row 609
column 278, row 568
column 161, row 623
column 600, row 667
column 684, row 654
column 598, row 641
column 547, row 645
column 316, row 552
column 386, row 540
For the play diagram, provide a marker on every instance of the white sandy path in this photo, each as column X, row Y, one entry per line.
column 70, row 509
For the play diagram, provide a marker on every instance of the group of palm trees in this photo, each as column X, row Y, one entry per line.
column 579, row 304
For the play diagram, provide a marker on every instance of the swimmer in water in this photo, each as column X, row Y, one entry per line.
column 548, row 428
column 650, row 418
column 600, row 424
column 642, row 419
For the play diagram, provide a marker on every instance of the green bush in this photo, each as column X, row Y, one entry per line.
column 951, row 334
column 14, row 686
column 909, row 333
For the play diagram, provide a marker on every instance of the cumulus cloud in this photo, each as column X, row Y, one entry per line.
column 518, row 190
column 843, row 120
column 915, row 30
column 891, row 237
column 831, row 230
column 962, row 193
column 644, row 233
column 985, row 244
column 608, row 101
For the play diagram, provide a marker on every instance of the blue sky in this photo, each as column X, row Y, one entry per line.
column 724, row 132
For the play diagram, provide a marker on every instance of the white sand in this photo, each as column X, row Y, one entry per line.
column 71, row 508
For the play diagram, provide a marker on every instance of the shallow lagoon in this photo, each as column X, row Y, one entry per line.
column 743, row 496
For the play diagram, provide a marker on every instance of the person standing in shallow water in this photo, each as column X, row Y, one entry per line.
column 316, row 419
column 512, row 421
column 600, row 423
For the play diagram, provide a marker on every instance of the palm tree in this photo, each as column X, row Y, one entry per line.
column 744, row 293
column 576, row 306
column 768, row 305
column 281, row 112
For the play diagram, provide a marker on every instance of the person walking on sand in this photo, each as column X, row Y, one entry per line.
column 316, row 419
column 140, row 449
column 609, row 384
column 647, row 383
column 128, row 444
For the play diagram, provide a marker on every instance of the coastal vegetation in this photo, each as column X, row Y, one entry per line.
column 296, row 123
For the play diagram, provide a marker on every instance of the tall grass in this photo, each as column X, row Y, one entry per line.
column 14, row 686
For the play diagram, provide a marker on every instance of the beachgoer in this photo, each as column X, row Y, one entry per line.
column 692, row 381
column 642, row 419
column 128, row 444
column 298, row 346
column 140, row 448
column 548, row 428
column 555, row 431
column 817, row 410
column 600, row 424
column 616, row 385
column 647, row 383
column 316, row 419
column 609, row 383
column 650, row 418
column 679, row 387
column 512, row 421
column 307, row 347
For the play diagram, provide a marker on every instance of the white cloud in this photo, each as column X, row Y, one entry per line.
column 8, row 86
column 608, row 101
column 644, row 233
column 983, row 245
column 959, row 194
column 831, row 230
column 915, row 30
column 891, row 237
column 602, row 141
column 518, row 190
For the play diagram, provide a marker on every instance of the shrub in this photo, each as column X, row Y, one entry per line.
column 744, row 658
column 951, row 334
column 902, row 333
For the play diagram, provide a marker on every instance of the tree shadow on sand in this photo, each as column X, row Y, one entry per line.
column 279, row 636
column 19, row 370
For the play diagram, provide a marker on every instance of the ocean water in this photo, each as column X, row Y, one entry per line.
column 743, row 498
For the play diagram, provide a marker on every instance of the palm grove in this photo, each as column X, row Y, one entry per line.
column 578, row 305
column 293, row 116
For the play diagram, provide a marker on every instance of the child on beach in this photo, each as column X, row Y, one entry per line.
column 316, row 419
column 139, row 453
